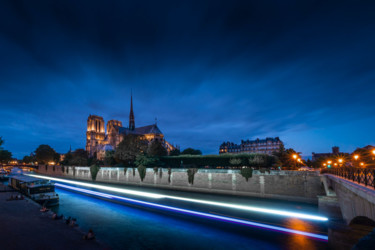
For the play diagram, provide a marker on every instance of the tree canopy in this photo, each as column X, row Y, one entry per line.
column 5, row 156
column 44, row 154
column 155, row 148
column 128, row 149
column 191, row 151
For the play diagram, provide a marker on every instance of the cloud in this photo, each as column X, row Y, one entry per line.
column 209, row 71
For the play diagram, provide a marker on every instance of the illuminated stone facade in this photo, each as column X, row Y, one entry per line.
column 265, row 146
column 99, row 140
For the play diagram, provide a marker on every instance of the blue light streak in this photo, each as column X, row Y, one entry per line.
column 196, row 213
column 276, row 212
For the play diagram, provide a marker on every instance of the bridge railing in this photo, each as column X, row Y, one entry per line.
column 359, row 175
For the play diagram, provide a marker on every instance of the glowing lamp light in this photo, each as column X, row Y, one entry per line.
column 362, row 164
column 356, row 157
column 295, row 156
column 373, row 151
column 329, row 162
column 199, row 201
column 340, row 160
column 324, row 164
column 196, row 213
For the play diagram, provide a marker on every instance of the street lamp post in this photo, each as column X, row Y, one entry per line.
column 356, row 159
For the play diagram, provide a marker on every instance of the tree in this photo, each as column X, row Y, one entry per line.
column 28, row 159
column 285, row 157
column 191, row 151
column 45, row 154
column 155, row 148
column 79, row 158
column 174, row 152
column 257, row 161
column 128, row 149
column 146, row 161
column 235, row 162
column 109, row 158
column 5, row 156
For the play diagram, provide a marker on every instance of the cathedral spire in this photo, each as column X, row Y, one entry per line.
column 131, row 115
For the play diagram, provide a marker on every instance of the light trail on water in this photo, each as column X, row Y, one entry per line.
column 195, row 213
column 199, row 201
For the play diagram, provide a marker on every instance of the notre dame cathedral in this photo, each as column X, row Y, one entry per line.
column 99, row 140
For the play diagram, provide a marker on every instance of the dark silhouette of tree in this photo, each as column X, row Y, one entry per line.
column 155, row 148
column 5, row 156
column 45, row 154
column 175, row 152
column 128, row 149
column 191, row 151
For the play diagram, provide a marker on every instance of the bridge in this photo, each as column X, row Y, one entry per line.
column 350, row 195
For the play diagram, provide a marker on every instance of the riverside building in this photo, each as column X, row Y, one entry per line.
column 265, row 146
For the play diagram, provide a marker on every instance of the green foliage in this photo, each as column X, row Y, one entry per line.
column 191, row 151
column 246, row 172
column 175, row 152
column 45, row 154
column 258, row 161
column 128, row 149
column 94, row 169
column 142, row 172
column 156, row 149
column 235, row 162
column 222, row 160
column 5, row 156
column 191, row 172
column 285, row 157
column 146, row 161
column 28, row 159
column 109, row 159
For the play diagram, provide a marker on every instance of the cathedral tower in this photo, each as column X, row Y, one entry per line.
column 131, row 115
column 95, row 134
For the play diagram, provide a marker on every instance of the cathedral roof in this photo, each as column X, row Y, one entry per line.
column 150, row 129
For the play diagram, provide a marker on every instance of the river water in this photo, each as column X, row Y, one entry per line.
column 125, row 226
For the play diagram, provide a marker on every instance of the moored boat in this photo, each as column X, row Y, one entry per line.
column 39, row 190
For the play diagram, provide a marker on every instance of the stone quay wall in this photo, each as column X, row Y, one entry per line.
column 286, row 185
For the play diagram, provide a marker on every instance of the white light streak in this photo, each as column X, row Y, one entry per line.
column 199, row 201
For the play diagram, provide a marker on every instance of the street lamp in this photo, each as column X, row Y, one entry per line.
column 362, row 164
column 295, row 156
column 356, row 157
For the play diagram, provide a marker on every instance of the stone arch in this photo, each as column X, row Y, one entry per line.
column 363, row 221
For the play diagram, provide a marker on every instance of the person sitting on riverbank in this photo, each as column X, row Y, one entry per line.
column 44, row 209
column 89, row 236
column 73, row 222
column 67, row 221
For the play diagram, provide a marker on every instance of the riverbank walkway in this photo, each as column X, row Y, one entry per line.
column 23, row 226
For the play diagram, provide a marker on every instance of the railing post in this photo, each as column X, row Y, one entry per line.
column 365, row 172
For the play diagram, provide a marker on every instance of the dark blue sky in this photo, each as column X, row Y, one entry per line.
column 210, row 71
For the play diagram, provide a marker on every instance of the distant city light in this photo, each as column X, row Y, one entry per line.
column 196, row 213
column 206, row 202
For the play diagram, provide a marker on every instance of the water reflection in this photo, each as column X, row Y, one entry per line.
column 120, row 227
